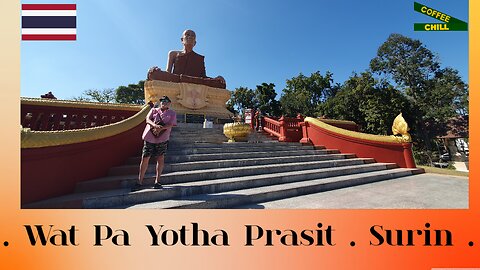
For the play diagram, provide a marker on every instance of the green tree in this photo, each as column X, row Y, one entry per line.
column 437, row 94
column 265, row 99
column 242, row 98
column 370, row 103
column 451, row 92
column 304, row 94
column 408, row 62
column 231, row 106
column 132, row 94
column 106, row 95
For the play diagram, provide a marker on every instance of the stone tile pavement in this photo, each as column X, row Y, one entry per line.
column 423, row 191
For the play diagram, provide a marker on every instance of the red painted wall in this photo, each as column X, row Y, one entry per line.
column 293, row 134
column 48, row 172
column 380, row 151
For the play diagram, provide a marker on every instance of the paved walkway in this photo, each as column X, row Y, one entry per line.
column 423, row 191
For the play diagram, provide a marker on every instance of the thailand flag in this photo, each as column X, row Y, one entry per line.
column 49, row 21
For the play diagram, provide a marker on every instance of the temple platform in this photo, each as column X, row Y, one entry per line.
column 192, row 102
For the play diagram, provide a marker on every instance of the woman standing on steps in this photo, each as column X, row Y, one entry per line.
column 155, row 136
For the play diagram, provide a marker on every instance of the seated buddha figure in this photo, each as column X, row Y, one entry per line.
column 186, row 66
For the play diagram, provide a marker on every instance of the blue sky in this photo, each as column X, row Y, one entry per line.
column 247, row 42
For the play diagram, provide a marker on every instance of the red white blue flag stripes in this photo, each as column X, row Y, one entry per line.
column 49, row 21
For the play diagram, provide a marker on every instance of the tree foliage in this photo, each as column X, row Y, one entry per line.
column 231, row 106
column 407, row 61
column 303, row 94
column 368, row 102
column 437, row 94
column 242, row 98
column 265, row 99
column 132, row 94
column 106, row 95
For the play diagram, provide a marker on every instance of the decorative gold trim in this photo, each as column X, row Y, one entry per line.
column 354, row 134
column 37, row 139
column 79, row 104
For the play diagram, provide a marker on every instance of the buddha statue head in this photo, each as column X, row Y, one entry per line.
column 188, row 40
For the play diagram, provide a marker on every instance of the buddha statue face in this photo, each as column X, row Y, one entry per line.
column 188, row 38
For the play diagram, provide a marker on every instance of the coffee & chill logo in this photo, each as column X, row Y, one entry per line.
column 448, row 22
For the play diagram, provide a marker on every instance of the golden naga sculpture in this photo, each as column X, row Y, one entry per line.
column 400, row 127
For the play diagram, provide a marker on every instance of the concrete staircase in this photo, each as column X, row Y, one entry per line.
column 203, row 172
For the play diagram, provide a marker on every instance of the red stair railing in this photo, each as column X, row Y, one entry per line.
column 286, row 129
column 48, row 115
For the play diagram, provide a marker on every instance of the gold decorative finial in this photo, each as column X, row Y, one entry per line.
column 400, row 127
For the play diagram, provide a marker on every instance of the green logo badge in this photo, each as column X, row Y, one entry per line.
column 449, row 23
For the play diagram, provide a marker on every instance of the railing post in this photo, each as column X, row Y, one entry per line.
column 253, row 117
column 283, row 129
column 300, row 117
column 305, row 139
column 408, row 155
column 261, row 122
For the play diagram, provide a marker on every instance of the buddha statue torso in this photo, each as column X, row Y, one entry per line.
column 190, row 64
